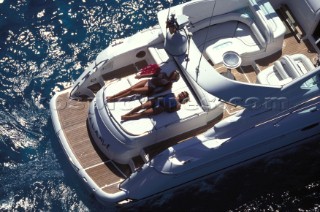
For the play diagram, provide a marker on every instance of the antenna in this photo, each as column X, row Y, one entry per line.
column 170, row 2
column 171, row 22
column 205, row 40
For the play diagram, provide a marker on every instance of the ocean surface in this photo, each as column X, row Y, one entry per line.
column 44, row 46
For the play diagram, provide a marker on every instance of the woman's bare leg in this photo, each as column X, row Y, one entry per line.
column 143, row 106
column 135, row 114
column 128, row 92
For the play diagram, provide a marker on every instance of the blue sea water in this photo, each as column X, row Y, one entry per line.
column 44, row 45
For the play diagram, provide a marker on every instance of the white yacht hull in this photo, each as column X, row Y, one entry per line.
column 278, row 109
column 231, row 154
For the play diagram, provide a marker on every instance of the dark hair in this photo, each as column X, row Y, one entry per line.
column 186, row 98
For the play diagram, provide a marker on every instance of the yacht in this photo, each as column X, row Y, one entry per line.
column 251, row 70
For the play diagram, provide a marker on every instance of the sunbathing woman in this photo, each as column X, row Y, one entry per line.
column 148, row 87
column 168, row 103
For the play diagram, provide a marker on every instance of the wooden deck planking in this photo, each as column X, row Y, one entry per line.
column 73, row 115
column 71, row 112
column 79, row 140
column 249, row 74
column 111, row 189
column 91, row 158
column 290, row 46
column 103, row 176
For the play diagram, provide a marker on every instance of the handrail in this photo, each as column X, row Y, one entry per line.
column 288, row 112
column 96, row 65
column 292, row 110
column 86, row 76
column 74, row 87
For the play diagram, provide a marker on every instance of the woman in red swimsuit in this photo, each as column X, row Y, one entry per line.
column 148, row 87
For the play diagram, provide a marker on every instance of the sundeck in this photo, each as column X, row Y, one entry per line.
column 250, row 69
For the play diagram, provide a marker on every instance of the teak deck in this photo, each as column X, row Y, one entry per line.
column 249, row 73
column 73, row 118
column 107, row 174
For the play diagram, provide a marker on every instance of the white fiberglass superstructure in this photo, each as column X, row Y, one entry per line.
column 251, row 92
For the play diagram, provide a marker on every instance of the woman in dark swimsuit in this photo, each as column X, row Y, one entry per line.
column 148, row 87
column 168, row 103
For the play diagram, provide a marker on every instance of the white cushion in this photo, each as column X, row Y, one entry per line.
column 119, row 108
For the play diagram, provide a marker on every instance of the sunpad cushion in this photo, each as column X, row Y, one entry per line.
column 119, row 108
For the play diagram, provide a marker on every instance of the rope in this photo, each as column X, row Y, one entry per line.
column 205, row 40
